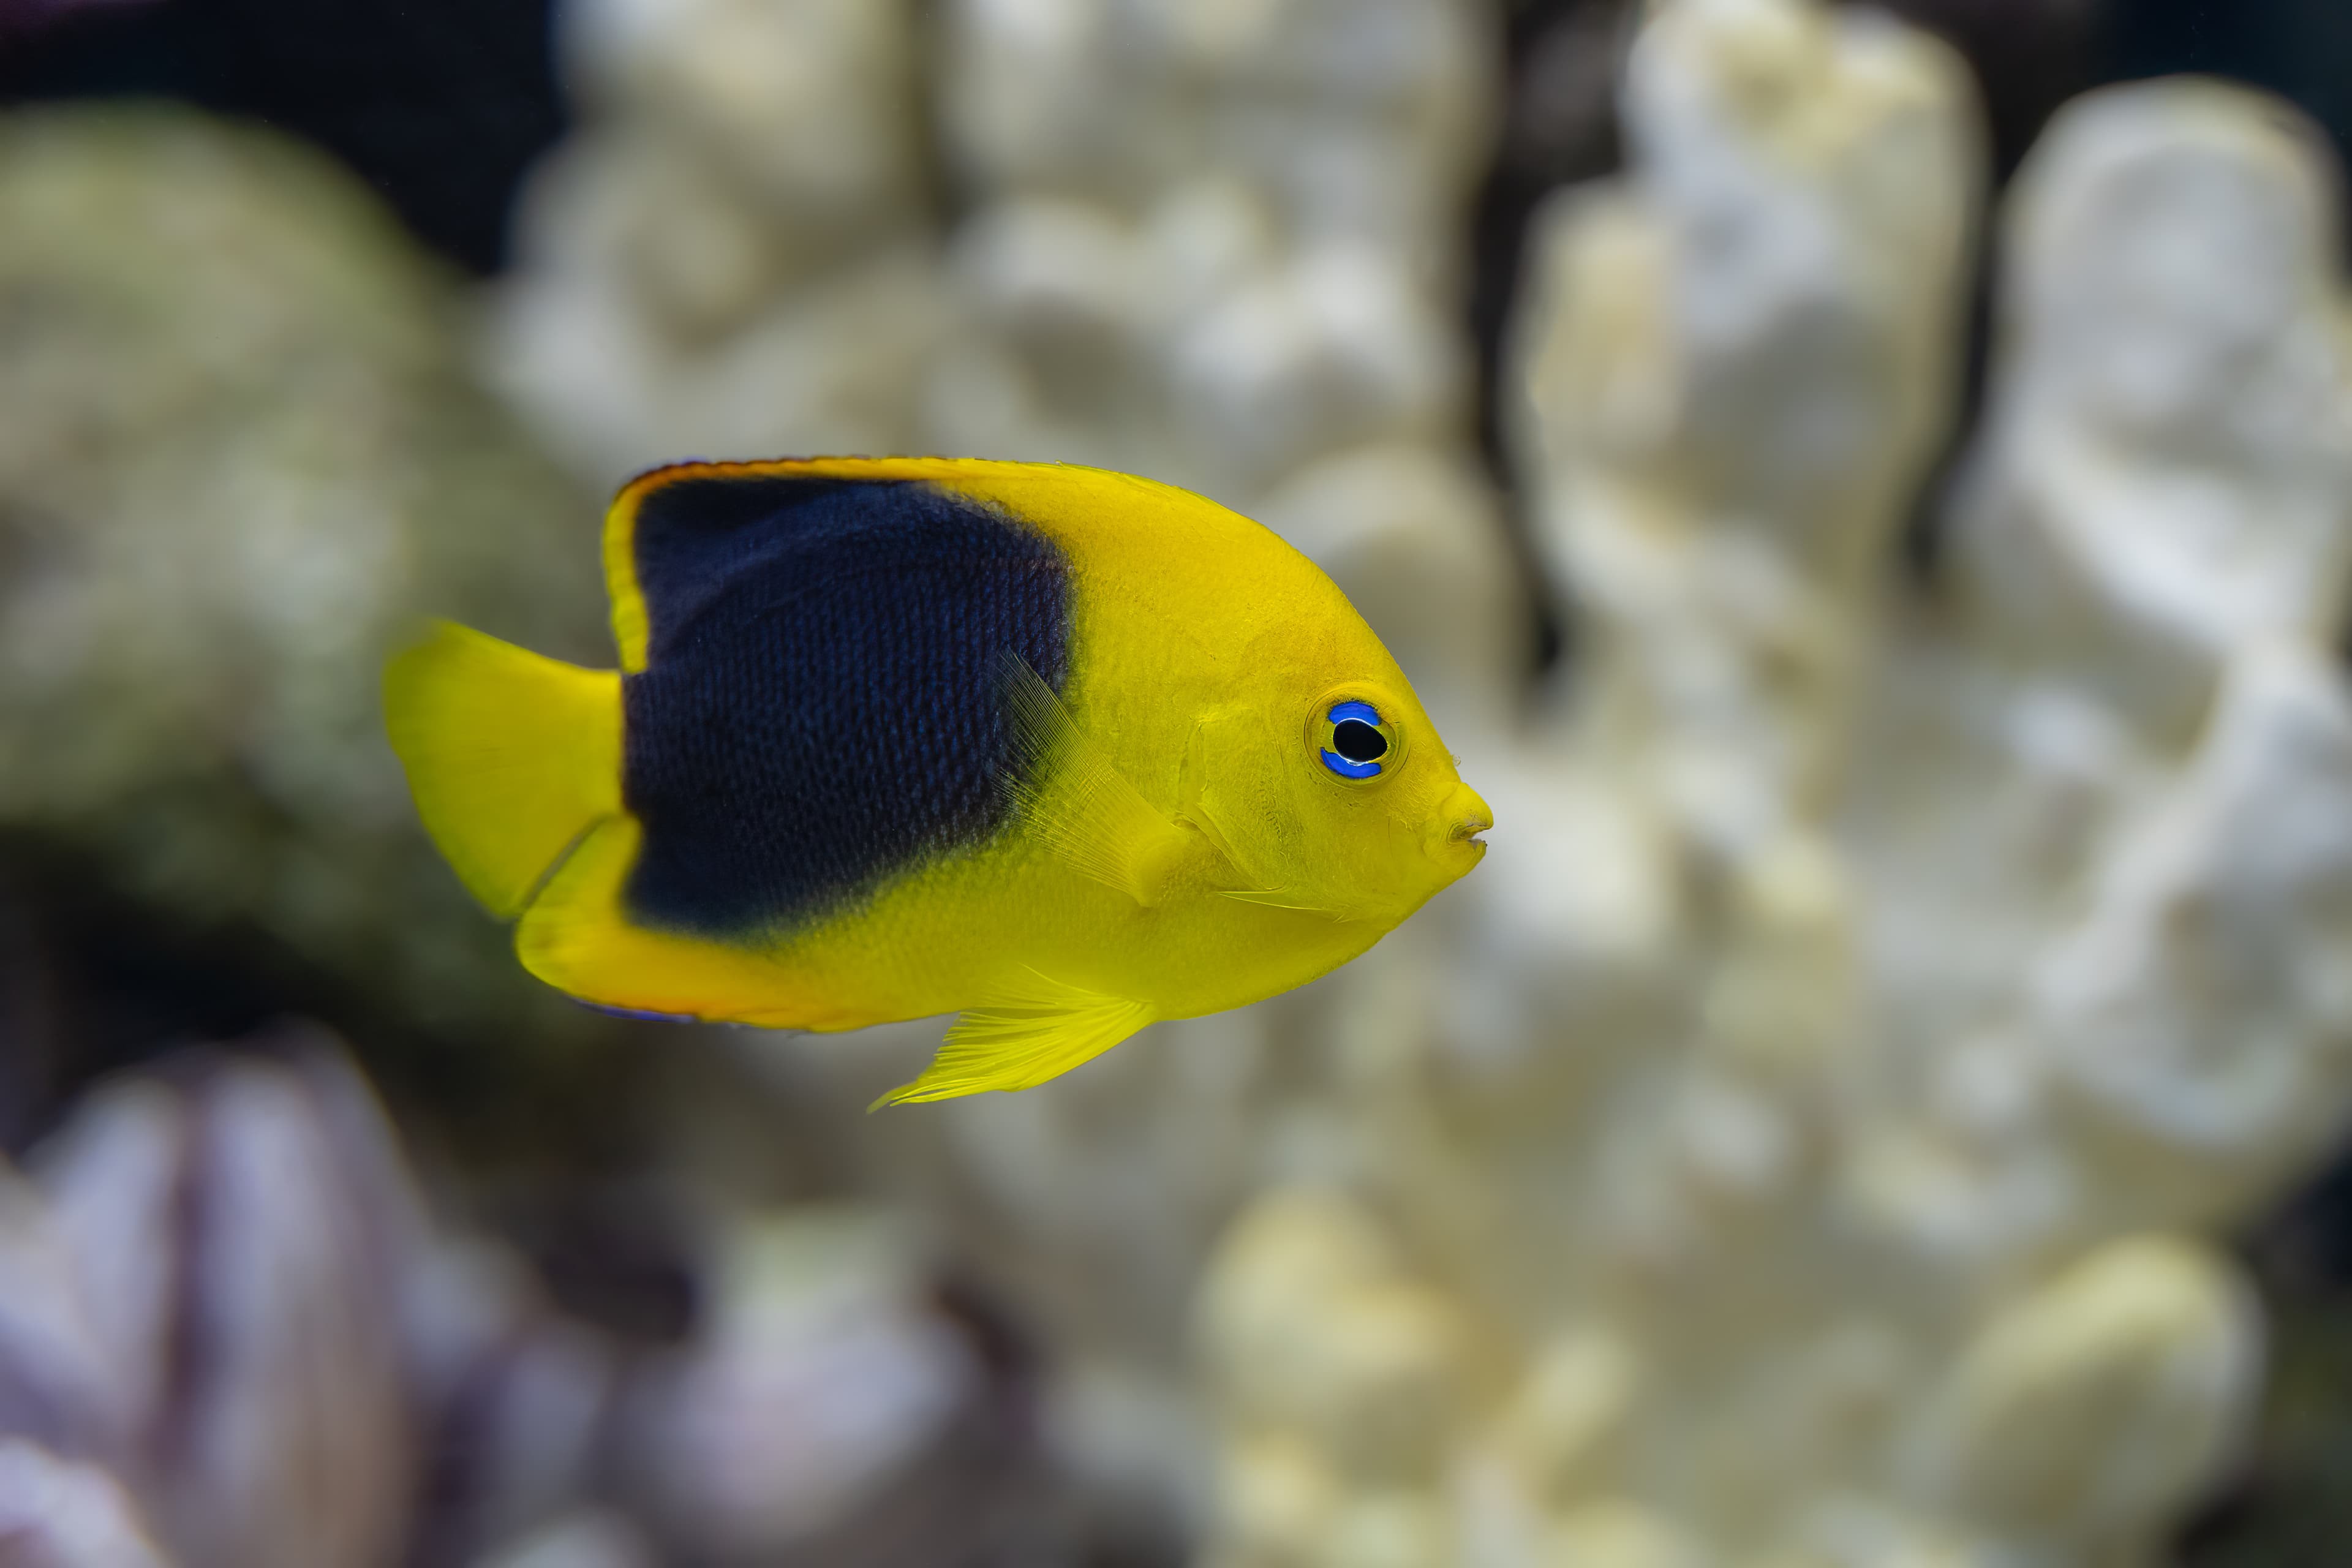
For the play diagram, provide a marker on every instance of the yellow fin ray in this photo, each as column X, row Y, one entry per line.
column 1200, row 808
column 1078, row 802
column 1284, row 898
column 512, row 756
column 1033, row 1029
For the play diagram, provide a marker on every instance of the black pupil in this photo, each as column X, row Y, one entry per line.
column 1358, row 742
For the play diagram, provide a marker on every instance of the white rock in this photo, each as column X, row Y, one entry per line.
column 2201, row 1012
column 823, row 1378
column 735, row 258
column 1799, row 1114
column 1797, row 218
column 234, row 1241
column 2084, row 1413
column 1782, row 1152
column 56, row 1514
column 577, row 1541
column 2167, row 464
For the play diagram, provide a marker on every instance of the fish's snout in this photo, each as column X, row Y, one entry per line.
column 1451, row 835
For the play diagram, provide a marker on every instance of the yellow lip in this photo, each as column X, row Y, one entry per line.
column 1452, row 836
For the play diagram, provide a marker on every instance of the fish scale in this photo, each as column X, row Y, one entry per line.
column 817, row 713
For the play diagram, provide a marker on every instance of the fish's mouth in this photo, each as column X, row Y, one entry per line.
column 1453, row 832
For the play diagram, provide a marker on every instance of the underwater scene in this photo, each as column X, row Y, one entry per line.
column 681, row 886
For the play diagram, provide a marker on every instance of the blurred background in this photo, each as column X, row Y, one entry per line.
column 1867, row 490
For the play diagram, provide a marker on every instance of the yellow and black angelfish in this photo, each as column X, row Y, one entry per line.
column 1066, row 750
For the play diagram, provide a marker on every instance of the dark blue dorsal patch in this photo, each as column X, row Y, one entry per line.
column 819, row 704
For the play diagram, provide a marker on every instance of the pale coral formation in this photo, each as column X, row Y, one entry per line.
column 229, row 1221
column 1213, row 243
column 735, row 258
column 2164, row 472
column 1736, row 364
column 58, row 1514
column 1803, row 1143
column 817, row 1376
column 1222, row 245
column 585, row 1540
column 1808, row 1154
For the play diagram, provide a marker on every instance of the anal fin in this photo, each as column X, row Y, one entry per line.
column 1033, row 1029
column 1078, row 802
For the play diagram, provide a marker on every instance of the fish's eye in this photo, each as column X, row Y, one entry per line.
column 1353, row 742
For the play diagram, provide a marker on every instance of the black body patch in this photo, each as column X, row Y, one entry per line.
column 820, row 703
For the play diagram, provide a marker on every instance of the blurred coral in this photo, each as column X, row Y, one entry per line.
column 1211, row 243
column 1802, row 1146
column 239, row 459
column 225, row 1301
column 1224, row 245
column 822, row 1375
column 226, row 1246
column 56, row 1514
column 1802, row 1141
column 735, row 259
column 588, row 1540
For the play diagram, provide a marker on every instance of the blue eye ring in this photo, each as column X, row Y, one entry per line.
column 1354, row 742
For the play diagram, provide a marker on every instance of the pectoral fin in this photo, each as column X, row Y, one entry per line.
column 1077, row 802
column 1201, row 807
column 1034, row 1029
column 1284, row 898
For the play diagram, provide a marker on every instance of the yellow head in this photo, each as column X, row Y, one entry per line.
column 1327, row 781
column 1212, row 656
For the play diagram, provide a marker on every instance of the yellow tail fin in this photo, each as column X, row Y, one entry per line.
column 512, row 756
